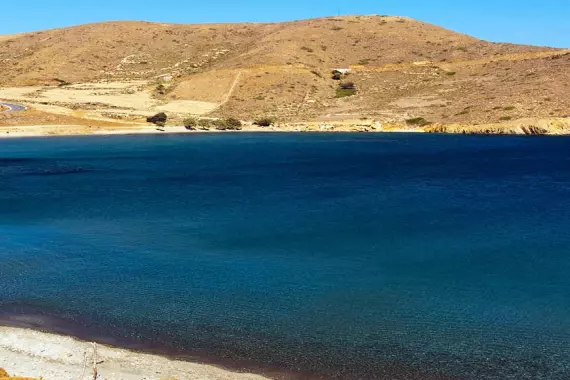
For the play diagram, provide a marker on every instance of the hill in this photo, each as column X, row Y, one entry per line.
column 403, row 69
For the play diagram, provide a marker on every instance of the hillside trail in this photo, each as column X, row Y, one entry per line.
column 229, row 94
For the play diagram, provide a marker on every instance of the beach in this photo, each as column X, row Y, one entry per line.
column 73, row 130
column 555, row 126
column 30, row 353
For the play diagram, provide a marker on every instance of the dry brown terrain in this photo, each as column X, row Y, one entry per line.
column 403, row 69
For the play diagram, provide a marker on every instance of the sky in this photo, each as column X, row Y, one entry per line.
column 545, row 22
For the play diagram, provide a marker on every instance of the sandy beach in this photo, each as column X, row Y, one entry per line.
column 74, row 130
column 30, row 353
column 557, row 126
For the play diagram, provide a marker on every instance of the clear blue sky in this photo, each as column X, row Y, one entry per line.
column 545, row 22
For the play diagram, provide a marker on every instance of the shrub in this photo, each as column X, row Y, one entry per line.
column 419, row 121
column 160, row 89
column 450, row 73
column 158, row 119
column 344, row 92
column 190, row 123
column 505, row 118
column 259, row 97
column 205, row 123
column 348, row 86
column 307, row 49
column 509, row 108
column 264, row 122
column 232, row 122
column 229, row 124
column 364, row 62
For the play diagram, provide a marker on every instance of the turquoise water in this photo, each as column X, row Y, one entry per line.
column 349, row 256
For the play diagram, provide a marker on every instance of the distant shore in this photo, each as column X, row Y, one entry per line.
column 79, row 130
column 29, row 353
column 557, row 126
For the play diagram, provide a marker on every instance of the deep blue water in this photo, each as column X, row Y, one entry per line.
column 353, row 256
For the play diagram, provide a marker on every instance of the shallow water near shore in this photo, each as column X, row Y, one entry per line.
column 348, row 256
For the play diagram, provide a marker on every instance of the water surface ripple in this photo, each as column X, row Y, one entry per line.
column 343, row 256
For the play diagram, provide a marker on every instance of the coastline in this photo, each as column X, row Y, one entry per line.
column 33, row 353
column 528, row 127
column 81, row 130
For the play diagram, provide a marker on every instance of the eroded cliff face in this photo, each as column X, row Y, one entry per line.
column 560, row 126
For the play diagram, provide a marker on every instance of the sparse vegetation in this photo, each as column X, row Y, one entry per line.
column 159, row 119
column 205, row 123
column 190, row 123
column 191, row 78
column 418, row 121
column 160, row 89
column 336, row 75
column 232, row 123
column 346, row 89
column 229, row 124
column 264, row 122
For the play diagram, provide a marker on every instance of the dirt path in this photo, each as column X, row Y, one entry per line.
column 229, row 94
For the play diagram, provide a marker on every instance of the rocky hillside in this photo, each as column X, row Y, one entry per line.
column 402, row 69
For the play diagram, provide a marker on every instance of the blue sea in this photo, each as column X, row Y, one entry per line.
column 308, row 256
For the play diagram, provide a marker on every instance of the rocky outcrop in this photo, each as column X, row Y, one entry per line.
column 521, row 127
column 533, row 130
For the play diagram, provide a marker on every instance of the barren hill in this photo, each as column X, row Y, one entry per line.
column 402, row 68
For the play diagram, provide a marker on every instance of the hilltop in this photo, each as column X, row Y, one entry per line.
column 403, row 69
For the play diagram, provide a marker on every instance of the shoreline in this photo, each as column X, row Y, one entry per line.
column 39, row 338
column 547, row 127
column 39, row 354
column 35, row 344
column 7, row 132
